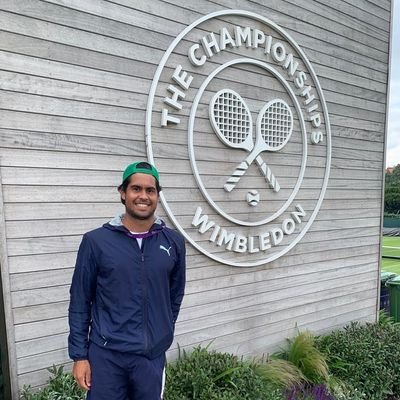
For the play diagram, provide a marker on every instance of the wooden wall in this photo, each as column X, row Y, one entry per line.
column 75, row 76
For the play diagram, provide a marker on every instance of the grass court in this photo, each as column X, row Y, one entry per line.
column 391, row 248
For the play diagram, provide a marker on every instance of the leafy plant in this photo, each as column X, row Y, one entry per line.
column 385, row 319
column 303, row 352
column 366, row 357
column 208, row 375
column 61, row 386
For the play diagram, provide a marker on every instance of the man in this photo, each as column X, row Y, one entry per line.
column 126, row 293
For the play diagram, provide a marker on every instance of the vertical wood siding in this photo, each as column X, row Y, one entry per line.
column 75, row 76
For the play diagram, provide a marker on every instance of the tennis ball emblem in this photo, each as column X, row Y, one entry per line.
column 253, row 197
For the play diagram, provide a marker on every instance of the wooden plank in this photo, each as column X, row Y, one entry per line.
column 40, row 312
column 60, row 293
column 304, row 254
column 41, row 346
column 44, row 211
column 351, row 24
column 238, row 281
column 55, row 326
column 28, row 246
column 140, row 16
column 357, row 79
column 366, row 10
column 67, row 73
column 29, row 84
column 57, row 310
column 274, row 327
column 71, row 108
column 73, row 161
column 283, row 265
column 56, row 244
column 329, row 36
column 281, row 299
column 26, row 121
column 58, row 210
column 89, row 178
column 25, row 140
column 65, row 35
column 117, row 46
column 276, row 315
column 34, row 297
column 59, row 227
column 43, row 279
column 42, row 262
column 31, row 46
column 105, row 162
column 48, row 194
column 336, row 83
column 342, row 319
column 48, row 262
column 107, row 19
column 44, row 228
column 304, row 249
column 49, row 87
column 41, row 329
column 68, row 177
column 39, row 361
column 69, row 143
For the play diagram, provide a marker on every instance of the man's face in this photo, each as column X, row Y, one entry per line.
column 141, row 197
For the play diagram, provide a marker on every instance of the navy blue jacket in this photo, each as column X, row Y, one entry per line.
column 124, row 297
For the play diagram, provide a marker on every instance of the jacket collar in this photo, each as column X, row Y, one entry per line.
column 116, row 224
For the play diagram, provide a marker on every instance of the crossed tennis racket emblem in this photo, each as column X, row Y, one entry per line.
column 231, row 120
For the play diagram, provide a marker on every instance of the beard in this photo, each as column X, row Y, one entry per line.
column 138, row 216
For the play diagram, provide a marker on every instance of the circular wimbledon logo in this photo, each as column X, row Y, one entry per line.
column 238, row 126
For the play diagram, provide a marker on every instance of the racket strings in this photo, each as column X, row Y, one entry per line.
column 276, row 124
column 232, row 118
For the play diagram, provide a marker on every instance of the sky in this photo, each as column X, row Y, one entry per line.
column 393, row 138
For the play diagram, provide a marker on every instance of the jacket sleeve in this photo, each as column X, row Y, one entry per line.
column 177, row 280
column 82, row 293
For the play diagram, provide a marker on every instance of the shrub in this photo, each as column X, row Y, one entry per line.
column 61, row 386
column 366, row 356
column 208, row 375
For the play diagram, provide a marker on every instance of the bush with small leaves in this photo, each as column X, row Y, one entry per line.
column 208, row 375
column 61, row 386
column 366, row 356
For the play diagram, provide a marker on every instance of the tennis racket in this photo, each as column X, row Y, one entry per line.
column 231, row 121
column 274, row 128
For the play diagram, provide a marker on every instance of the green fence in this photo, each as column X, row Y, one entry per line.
column 391, row 222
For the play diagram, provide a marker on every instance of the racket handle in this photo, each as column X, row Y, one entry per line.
column 268, row 174
column 235, row 177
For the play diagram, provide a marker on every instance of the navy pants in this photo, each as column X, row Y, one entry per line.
column 124, row 376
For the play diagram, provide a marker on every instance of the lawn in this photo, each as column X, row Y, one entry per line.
column 391, row 245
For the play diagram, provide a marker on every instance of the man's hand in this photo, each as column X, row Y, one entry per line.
column 82, row 374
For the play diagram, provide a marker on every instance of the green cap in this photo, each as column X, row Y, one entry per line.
column 142, row 167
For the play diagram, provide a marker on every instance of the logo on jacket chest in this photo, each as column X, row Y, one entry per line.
column 165, row 249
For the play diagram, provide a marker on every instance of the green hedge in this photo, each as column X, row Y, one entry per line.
column 359, row 362
column 367, row 357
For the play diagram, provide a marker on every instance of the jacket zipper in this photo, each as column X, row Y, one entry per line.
column 145, row 303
